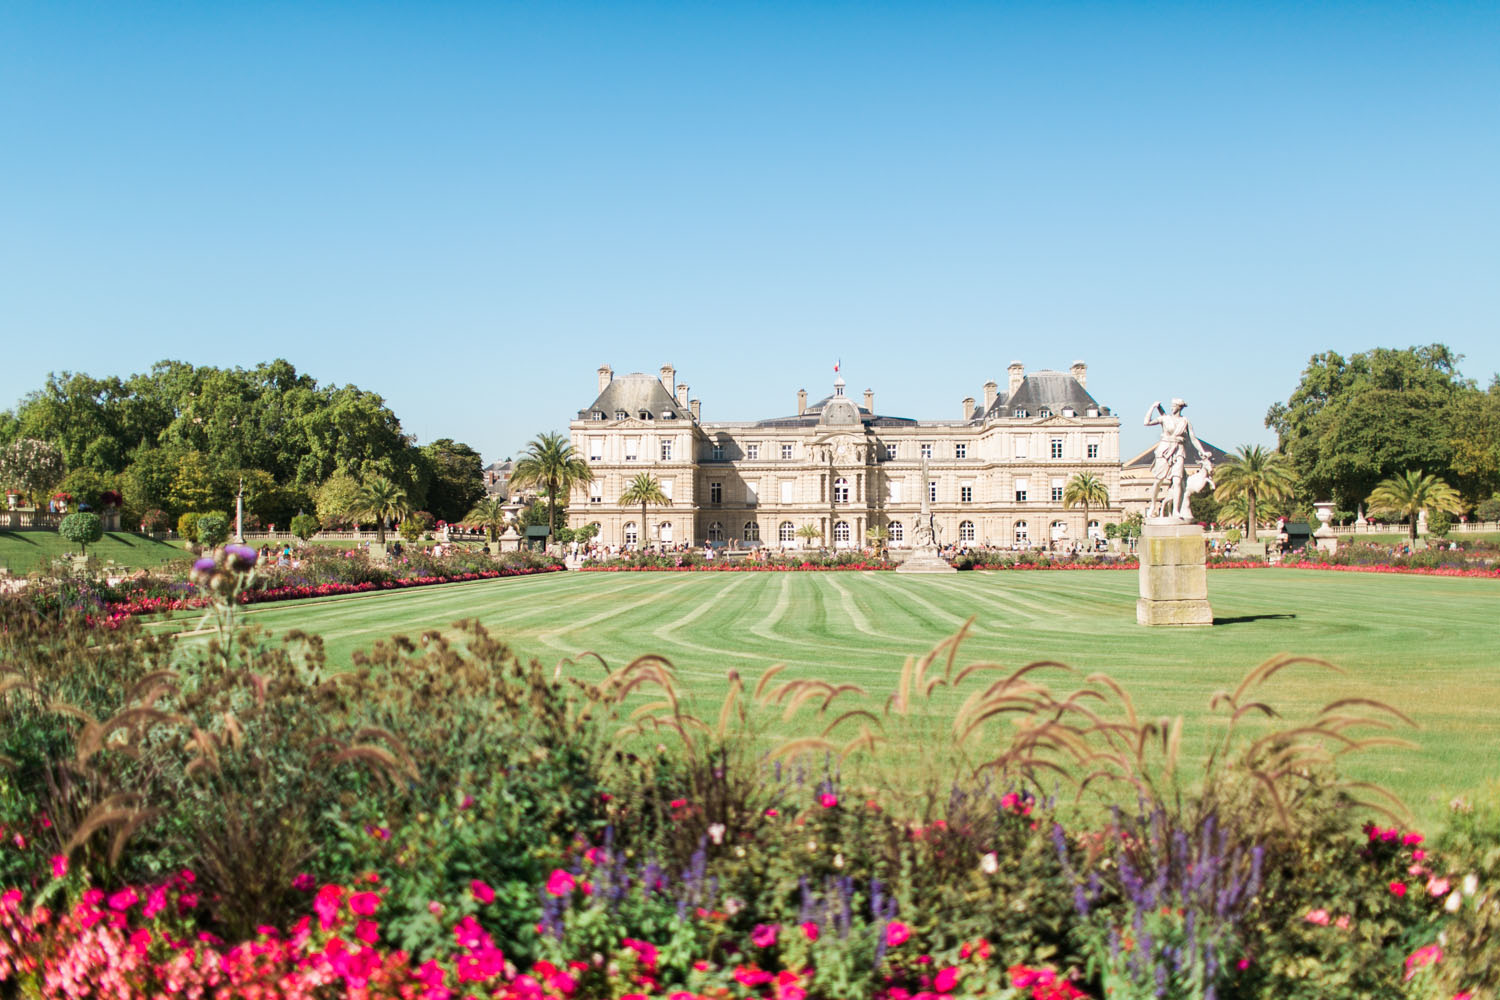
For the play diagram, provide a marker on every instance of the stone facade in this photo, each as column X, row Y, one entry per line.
column 995, row 474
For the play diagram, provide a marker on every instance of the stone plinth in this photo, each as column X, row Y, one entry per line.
column 926, row 560
column 1174, row 578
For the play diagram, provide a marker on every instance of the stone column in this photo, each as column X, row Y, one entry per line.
column 1174, row 577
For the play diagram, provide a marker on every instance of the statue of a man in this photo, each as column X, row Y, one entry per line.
column 1171, row 457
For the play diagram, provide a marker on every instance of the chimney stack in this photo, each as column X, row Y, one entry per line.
column 1080, row 371
column 801, row 401
column 968, row 408
column 693, row 405
column 668, row 377
column 870, row 400
column 606, row 374
column 991, row 390
column 1017, row 373
column 682, row 391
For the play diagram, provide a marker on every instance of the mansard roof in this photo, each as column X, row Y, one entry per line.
column 1190, row 457
column 813, row 416
column 633, row 393
column 1045, row 390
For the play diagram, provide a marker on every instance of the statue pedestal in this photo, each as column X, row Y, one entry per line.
column 1174, row 577
column 925, row 559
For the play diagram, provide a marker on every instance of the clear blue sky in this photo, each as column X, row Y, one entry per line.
column 469, row 207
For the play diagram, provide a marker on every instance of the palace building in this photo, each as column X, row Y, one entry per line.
column 994, row 475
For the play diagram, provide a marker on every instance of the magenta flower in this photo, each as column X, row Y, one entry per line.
column 59, row 865
column 896, row 933
column 764, row 935
column 560, row 883
column 946, row 979
column 482, row 891
column 364, row 903
column 810, row 931
column 828, row 800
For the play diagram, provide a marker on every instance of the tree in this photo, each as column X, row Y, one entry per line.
column 212, row 529
column 1254, row 473
column 643, row 490
column 489, row 512
column 336, row 499
column 551, row 464
column 809, row 532
column 380, row 499
column 455, row 478
column 877, row 534
column 1410, row 493
column 304, row 526
column 31, row 467
column 82, row 528
column 1351, row 423
column 195, row 485
column 1085, row 489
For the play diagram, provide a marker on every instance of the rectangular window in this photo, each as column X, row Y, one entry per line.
column 786, row 490
column 596, row 492
column 666, row 488
column 718, row 453
column 752, row 492
column 1021, row 485
column 1057, row 490
column 966, row 493
column 1020, row 447
column 632, row 447
column 1093, row 451
column 752, row 450
column 786, row 453
column 932, row 492
column 596, row 449
column 1057, row 444
column 893, row 491
column 960, row 451
column 666, row 450
column 891, row 451
column 926, row 451
column 715, row 493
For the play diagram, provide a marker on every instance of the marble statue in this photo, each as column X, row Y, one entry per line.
column 924, row 531
column 1167, row 467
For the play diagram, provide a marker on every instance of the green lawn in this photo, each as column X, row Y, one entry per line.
column 1425, row 644
column 23, row 551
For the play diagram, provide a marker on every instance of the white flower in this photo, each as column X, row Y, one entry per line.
column 733, row 906
column 1455, row 900
column 812, row 846
column 989, row 863
column 1471, row 884
column 716, row 833
column 739, row 852
column 838, row 860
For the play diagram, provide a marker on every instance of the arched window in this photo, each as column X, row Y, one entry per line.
column 716, row 532
column 786, row 533
column 752, row 531
column 966, row 531
column 664, row 532
column 1023, row 533
column 841, row 490
column 841, row 532
column 1059, row 530
column 896, row 532
column 631, row 537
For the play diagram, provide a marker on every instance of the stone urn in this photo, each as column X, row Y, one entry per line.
column 1324, row 537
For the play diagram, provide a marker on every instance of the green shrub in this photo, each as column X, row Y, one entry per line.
column 1489, row 510
column 81, row 529
column 212, row 530
column 187, row 526
column 1439, row 523
column 304, row 526
column 1233, row 536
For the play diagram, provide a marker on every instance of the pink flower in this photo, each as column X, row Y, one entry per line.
column 367, row 931
column 304, row 882
column 772, row 813
column 59, row 865
column 364, row 903
column 1438, row 886
column 123, row 900
column 764, row 935
column 1319, row 917
column 679, row 803
column 810, row 930
column 1411, row 839
column 946, row 979
column 828, row 800
column 481, row 891
column 560, row 883
column 327, row 903
column 1342, row 923
column 1398, row 888
column 896, row 933
column 1428, row 955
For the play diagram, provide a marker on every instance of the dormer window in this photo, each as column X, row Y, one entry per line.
column 1092, row 411
column 718, row 453
column 597, row 415
column 1021, row 412
column 668, row 414
column 621, row 415
column 1068, row 411
column 645, row 414
column 1044, row 412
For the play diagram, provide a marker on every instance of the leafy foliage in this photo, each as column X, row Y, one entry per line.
column 1253, row 474
column 31, row 467
column 212, row 529
column 1407, row 495
column 82, row 528
column 551, row 464
column 304, row 526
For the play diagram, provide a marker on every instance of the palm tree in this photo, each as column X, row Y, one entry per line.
column 877, row 534
column 644, row 489
column 379, row 499
column 489, row 512
column 551, row 464
column 1410, row 493
column 1083, row 490
column 809, row 531
column 1256, row 473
